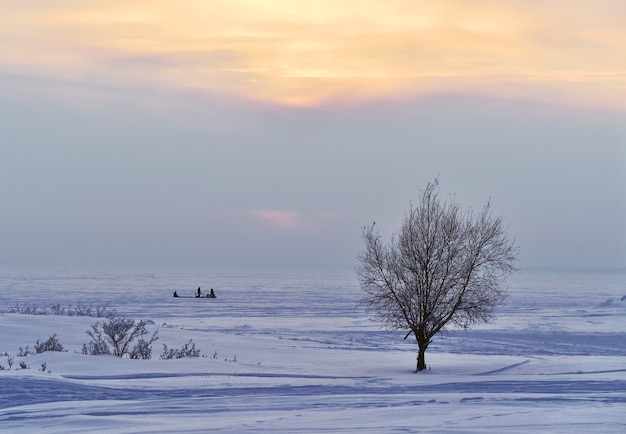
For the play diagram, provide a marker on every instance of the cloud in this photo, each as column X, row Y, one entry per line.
column 307, row 53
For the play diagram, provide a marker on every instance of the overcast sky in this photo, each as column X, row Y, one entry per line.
column 263, row 135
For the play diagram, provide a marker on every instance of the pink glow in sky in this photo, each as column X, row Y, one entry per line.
column 285, row 220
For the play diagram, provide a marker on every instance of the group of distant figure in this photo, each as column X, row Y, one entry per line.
column 199, row 294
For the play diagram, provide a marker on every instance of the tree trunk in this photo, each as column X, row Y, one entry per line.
column 421, row 359
column 422, row 343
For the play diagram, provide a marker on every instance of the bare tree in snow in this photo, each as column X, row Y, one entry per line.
column 445, row 267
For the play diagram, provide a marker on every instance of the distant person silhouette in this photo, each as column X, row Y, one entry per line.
column 199, row 292
column 175, row 294
column 212, row 294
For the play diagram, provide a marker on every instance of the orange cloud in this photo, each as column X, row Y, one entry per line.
column 308, row 52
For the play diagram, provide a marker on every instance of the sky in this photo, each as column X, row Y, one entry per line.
column 264, row 135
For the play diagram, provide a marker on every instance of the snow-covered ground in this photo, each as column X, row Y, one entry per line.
column 294, row 353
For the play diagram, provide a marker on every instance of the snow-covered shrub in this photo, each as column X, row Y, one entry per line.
column 187, row 350
column 95, row 348
column 116, row 336
column 57, row 309
column 52, row 344
column 97, row 311
column 27, row 310
column 83, row 310
column 25, row 352
column 105, row 312
column 143, row 350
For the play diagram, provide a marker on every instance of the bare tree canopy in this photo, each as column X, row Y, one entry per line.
column 446, row 266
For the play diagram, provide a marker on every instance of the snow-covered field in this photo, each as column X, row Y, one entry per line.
column 294, row 353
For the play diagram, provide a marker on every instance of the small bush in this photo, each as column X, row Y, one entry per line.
column 95, row 349
column 97, row 311
column 57, row 309
column 143, row 350
column 83, row 310
column 52, row 344
column 27, row 310
column 187, row 350
column 116, row 336
column 105, row 312
column 25, row 352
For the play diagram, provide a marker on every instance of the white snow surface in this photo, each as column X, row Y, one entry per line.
column 296, row 353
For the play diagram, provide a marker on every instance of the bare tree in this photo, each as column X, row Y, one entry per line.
column 446, row 266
